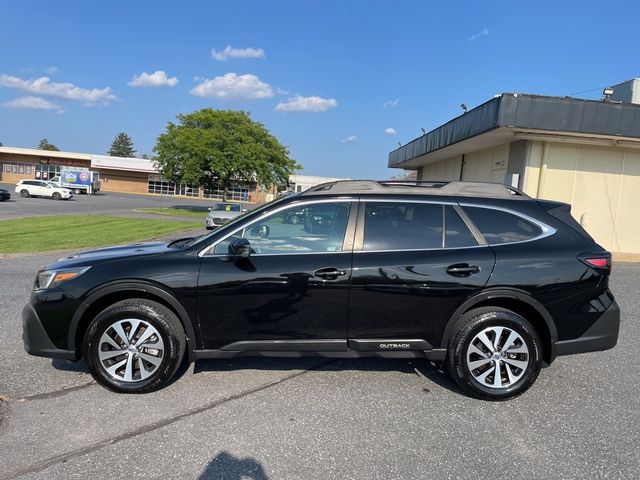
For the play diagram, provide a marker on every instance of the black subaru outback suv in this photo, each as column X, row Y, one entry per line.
column 476, row 277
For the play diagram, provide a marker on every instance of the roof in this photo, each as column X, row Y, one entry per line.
column 133, row 164
column 311, row 179
column 400, row 187
column 123, row 163
column 509, row 113
column 45, row 153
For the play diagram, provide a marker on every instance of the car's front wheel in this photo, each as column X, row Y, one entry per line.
column 56, row 196
column 494, row 353
column 134, row 346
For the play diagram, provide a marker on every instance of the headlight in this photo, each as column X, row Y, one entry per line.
column 53, row 278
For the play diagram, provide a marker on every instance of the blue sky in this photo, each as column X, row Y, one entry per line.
column 333, row 80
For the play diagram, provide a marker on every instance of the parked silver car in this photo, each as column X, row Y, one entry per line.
column 222, row 213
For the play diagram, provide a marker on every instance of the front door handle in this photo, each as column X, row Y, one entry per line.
column 329, row 273
column 462, row 269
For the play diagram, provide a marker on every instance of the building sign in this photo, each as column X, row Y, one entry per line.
column 64, row 162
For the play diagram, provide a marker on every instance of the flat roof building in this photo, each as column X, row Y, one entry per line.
column 117, row 174
column 583, row 152
column 300, row 183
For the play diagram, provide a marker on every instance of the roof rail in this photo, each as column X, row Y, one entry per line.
column 417, row 187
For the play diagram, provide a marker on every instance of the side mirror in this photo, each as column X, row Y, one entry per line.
column 240, row 248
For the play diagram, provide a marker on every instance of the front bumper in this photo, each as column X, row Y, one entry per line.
column 602, row 335
column 35, row 338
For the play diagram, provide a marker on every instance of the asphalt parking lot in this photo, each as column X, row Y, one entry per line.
column 312, row 418
column 101, row 203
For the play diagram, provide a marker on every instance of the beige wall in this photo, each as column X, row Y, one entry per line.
column 601, row 183
column 488, row 165
column 116, row 181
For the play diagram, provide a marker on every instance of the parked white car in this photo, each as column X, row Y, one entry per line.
column 222, row 213
column 39, row 188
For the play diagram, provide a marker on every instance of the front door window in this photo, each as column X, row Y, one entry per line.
column 315, row 228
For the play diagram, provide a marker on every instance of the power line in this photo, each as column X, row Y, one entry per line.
column 586, row 91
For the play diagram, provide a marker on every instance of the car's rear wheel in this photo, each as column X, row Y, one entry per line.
column 56, row 196
column 494, row 353
column 134, row 346
column 24, row 193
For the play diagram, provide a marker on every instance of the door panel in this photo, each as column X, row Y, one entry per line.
column 273, row 298
column 414, row 263
column 410, row 294
column 294, row 285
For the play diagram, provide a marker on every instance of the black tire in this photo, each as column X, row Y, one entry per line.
column 473, row 323
column 24, row 193
column 157, row 315
column 56, row 196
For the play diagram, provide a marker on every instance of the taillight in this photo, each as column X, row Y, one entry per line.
column 601, row 261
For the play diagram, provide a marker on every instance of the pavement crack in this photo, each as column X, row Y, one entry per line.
column 54, row 394
column 65, row 457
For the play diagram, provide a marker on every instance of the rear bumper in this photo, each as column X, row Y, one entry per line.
column 602, row 335
column 35, row 338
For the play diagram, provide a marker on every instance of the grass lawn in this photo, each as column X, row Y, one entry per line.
column 40, row 234
column 175, row 211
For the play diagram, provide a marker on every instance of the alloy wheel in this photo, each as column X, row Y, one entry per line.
column 497, row 357
column 131, row 350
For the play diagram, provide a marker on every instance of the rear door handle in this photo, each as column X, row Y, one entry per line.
column 462, row 269
column 329, row 273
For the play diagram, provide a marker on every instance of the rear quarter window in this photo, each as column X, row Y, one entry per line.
column 498, row 226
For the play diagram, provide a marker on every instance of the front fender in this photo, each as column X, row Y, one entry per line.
column 135, row 286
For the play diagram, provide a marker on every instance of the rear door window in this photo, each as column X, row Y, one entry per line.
column 402, row 226
column 498, row 226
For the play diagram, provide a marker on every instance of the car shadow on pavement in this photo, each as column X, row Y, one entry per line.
column 426, row 370
column 225, row 466
column 70, row 365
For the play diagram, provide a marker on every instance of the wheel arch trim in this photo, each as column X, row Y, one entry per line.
column 509, row 294
column 134, row 286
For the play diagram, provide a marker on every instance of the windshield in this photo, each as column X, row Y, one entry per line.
column 240, row 218
column 226, row 207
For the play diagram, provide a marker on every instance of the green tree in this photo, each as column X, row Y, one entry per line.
column 216, row 148
column 45, row 145
column 122, row 146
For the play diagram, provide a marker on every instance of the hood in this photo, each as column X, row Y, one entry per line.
column 89, row 257
column 223, row 214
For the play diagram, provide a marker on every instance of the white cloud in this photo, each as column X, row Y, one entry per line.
column 349, row 139
column 307, row 104
column 391, row 103
column 282, row 91
column 35, row 103
column 230, row 52
column 476, row 36
column 51, row 70
column 390, row 131
column 43, row 86
column 232, row 86
column 156, row 79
